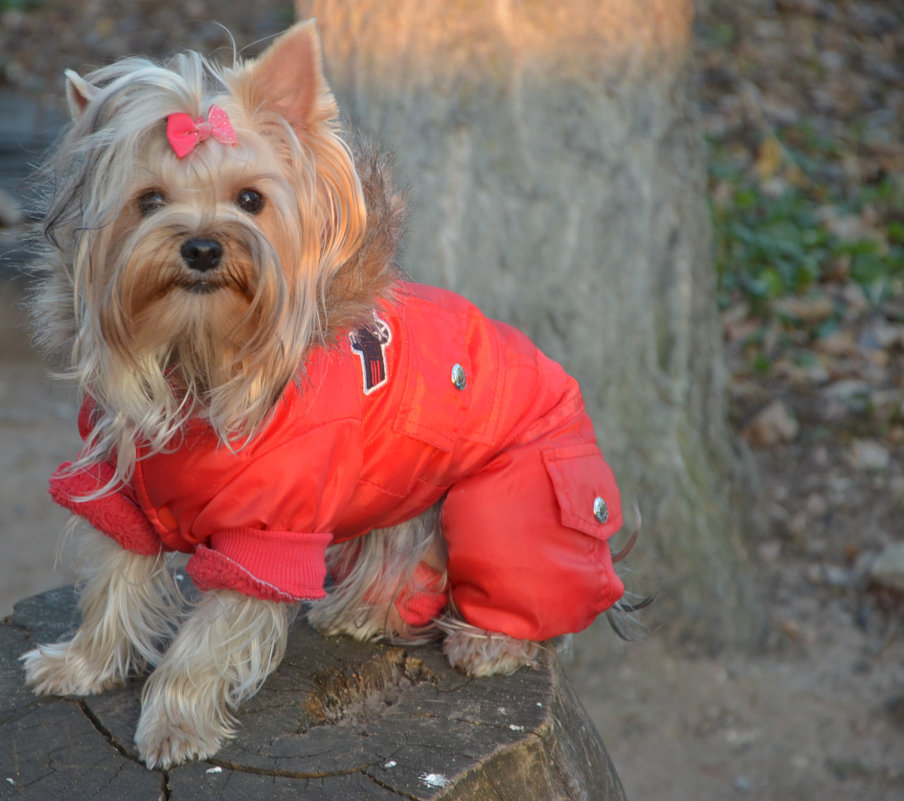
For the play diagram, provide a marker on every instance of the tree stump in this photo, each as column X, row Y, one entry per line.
column 338, row 720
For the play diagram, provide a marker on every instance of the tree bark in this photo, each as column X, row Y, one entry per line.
column 556, row 176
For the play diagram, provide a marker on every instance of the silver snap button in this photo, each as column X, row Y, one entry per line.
column 600, row 510
column 459, row 379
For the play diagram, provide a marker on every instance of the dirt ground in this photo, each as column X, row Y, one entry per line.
column 817, row 714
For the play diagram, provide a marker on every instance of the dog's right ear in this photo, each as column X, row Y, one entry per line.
column 79, row 93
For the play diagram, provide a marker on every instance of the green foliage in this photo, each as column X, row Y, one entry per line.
column 779, row 240
column 766, row 247
column 19, row 5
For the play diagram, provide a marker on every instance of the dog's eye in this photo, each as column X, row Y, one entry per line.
column 250, row 200
column 150, row 201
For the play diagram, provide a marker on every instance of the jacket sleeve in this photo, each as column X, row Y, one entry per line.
column 266, row 531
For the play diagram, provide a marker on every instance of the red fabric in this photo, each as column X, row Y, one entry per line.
column 352, row 448
column 117, row 514
column 421, row 603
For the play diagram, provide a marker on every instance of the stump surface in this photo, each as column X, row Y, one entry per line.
column 338, row 720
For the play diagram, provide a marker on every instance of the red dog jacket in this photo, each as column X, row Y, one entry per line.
column 432, row 400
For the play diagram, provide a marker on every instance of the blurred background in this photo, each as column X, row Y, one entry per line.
column 801, row 111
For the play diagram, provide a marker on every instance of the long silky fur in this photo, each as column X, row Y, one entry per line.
column 130, row 607
column 375, row 569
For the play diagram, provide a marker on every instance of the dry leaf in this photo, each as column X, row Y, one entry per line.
column 769, row 158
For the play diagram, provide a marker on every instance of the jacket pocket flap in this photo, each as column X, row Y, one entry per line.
column 585, row 490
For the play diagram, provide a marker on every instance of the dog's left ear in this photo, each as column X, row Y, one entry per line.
column 79, row 93
column 289, row 74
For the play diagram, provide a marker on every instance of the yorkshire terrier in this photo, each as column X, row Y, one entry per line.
column 265, row 391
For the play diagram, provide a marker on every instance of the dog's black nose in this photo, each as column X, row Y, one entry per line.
column 201, row 254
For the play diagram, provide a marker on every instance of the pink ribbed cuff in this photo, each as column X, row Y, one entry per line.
column 271, row 565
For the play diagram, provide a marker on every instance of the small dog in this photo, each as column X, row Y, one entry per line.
column 266, row 392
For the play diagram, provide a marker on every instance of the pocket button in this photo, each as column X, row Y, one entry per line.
column 600, row 510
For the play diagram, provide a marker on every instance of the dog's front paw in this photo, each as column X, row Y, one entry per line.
column 180, row 720
column 65, row 668
column 164, row 741
column 479, row 653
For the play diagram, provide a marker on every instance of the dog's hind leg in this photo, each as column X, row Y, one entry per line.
column 477, row 652
column 129, row 603
column 389, row 584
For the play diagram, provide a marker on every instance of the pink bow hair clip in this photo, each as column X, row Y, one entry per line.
column 183, row 133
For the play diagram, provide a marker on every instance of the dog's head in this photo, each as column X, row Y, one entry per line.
column 198, row 219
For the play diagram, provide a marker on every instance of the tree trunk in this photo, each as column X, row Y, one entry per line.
column 556, row 176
